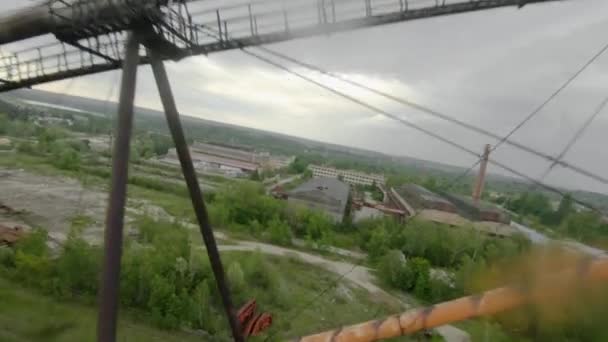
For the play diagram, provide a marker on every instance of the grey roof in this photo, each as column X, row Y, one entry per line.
column 425, row 194
column 331, row 188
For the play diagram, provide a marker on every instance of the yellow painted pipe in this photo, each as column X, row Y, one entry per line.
column 487, row 303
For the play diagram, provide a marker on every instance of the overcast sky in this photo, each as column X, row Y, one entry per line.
column 489, row 68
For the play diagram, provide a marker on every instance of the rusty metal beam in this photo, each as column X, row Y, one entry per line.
column 110, row 280
column 175, row 126
column 484, row 304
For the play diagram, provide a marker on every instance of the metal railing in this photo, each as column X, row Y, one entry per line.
column 91, row 32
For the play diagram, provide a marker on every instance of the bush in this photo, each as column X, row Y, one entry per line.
column 77, row 268
column 260, row 273
column 236, row 277
column 26, row 147
column 246, row 201
column 391, row 270
column 66, row 159
column 7, row 257
column 33, row 270
column 279, row 232
column 34, row 243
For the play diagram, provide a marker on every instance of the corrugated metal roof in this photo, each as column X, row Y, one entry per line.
column 426, row 194
column 328, row 187
column 197, row 156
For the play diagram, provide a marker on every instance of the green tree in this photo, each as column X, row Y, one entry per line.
column 536, row 204
column 307, row 174
column 161, row 144
column 566, row 207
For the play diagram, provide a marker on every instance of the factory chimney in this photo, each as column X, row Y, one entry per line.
column 481, row 177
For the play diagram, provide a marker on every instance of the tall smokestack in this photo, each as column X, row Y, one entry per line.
column 481, row 177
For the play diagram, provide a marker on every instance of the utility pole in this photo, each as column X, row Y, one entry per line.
column 481, row 177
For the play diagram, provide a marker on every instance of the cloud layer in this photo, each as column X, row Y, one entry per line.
column 488, row 68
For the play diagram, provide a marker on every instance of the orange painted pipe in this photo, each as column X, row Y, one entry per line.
column 487, row 303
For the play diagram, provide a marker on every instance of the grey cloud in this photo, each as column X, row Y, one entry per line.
column 488, row 68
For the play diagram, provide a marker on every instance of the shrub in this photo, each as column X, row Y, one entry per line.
column 279, row 232
column 7, row 257
column 66, row 159
column 77, row 268
column 391, row 269
column 236, row 277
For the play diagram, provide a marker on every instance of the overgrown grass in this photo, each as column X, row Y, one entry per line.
column 27, row 316
column 297, row 310
column 487, row 330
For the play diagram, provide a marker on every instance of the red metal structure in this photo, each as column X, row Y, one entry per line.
column 253, row 324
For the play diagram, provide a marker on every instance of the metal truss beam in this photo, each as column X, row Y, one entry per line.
column 177, row 34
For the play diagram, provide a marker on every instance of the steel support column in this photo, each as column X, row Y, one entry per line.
column 110, row 281
column 181, row 146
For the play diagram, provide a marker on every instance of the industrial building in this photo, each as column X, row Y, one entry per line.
column 214, row 164
column 349, row 176
column 229, row 160
column 450, row 209
column 480, row 211
column 418, row 198
column 329, row 195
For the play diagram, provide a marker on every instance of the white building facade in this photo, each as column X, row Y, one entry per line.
column 348, row 176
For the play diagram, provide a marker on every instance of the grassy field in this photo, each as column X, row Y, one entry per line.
column 297, row 307
column 28, row 316
column 25, row 315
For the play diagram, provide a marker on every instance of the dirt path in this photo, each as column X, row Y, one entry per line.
column 360, row 275
column 50, row 202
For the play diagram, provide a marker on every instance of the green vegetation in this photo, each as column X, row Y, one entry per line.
column 167, row 281
column 26, row 315
column 405, row 253
column 582, row 225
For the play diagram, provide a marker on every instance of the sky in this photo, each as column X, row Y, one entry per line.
column 488, row 68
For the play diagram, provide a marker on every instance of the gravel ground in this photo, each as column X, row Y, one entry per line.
column 52, row 202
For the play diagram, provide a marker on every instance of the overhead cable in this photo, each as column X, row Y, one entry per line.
column 579, row 133
column 411, row 125
column 461, row 123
